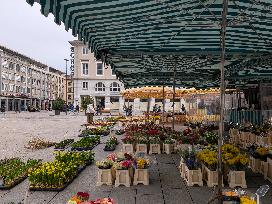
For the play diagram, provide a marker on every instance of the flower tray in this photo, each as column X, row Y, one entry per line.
column 84, row 148
column 15, row 183
column 33, row 188
column 109, row 149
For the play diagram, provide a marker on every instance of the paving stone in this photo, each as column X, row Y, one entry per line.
column 200, row 194
column 177, row 196
column 150, row 199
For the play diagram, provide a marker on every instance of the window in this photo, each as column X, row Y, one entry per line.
column 99, row 87
column 18, row 68
column 11, row 88
column 11, row 65
column 3, row 86
column 129, row 100
column 144, row 100
column 158, row 100
column 85, row 50
column 114, row 87
column 69, row 97
column 99, row 68
column 85, row 68
column 114, row 99
column 84, row 85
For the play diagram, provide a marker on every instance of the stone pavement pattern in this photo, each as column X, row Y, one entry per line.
column 166, row 185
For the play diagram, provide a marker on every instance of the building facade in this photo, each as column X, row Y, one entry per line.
column 26, row 82
column 70, row 90
column 92, row 78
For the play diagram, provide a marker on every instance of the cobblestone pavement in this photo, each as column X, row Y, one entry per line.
column 166, row 185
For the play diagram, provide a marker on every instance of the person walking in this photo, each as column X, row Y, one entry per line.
column 77, row 109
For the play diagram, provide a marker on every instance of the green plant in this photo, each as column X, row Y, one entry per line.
column 87, row 142
column 12, row 170
column 168, row 141
column 85, row 101
column 63, row 144
column 58, row 104
column 211, row 137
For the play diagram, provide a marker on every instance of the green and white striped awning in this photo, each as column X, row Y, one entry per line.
column 145, row 41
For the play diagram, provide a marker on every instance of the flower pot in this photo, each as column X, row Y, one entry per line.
column 154, row 149
column 122, row 178
column 141, row 148
column 211, row 177
column 104, row 176
column 128, row 148
column 57, row 112
column 268, row 174
column 168, row 148
column 263, row 168
column 193, row 177
column 182, row 168
column 237, row 179
column 141, row 176
column 255, row 164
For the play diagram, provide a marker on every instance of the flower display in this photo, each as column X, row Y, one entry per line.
column 104, row 164
column 122, row 165
column 141, row 163
column 86, row 143
column 211, row 137
column 111, row 144
column 82, row 198
column 63, row 144
column 262, row 151
column 56, row 174
column 14, row 170
column 190, row 159
column 38, row 143
column 208, row 158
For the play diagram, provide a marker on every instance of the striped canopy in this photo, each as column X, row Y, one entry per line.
column 146, row 40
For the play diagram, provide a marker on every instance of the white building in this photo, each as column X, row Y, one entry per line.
column 92, row 78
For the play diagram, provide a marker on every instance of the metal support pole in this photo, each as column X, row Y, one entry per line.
column 174, row 93
column 66, row 88
column 222, row 98
column 163, row 105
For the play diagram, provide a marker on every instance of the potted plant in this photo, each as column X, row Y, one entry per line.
column 192, row 172
column 154, row 146
column 111, row 144
column 141, row 174
column 85, row 101
column 104, row 175
column 168, row 145
column 128, row 143
column 209, row 168
column 58, row 105
column 211, row 137
column 237, row 164
column 141, row 145
column 122, row 173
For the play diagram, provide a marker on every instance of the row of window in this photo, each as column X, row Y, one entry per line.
column 99, row 69
column 100, row 87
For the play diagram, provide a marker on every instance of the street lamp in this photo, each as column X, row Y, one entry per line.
column 66, row 61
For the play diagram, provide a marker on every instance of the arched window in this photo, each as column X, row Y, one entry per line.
column 114, row 87
column 100, row 87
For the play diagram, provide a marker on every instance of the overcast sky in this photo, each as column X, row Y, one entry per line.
column 24, row 29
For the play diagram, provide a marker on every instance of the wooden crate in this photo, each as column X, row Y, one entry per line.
column 141, row 176
column 211, row 177
column 104, row 176
column 237, row 179
column 154, row 149
column 128, row 148
column 168, row 148
column 122, row 178
column 193, row 177
column 141, row 148
column 255, row 164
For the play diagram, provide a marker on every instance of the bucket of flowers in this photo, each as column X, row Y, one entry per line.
column 104, row 174
column 237, row 164
column 168, row 145
column 111, row 144
column 154, row 146
column 128, row 141
column 141, row 145
column 122, row 173
column 192, row 172
column 141, row 174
